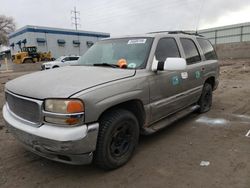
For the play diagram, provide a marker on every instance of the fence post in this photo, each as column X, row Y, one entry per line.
column 241, row 33
column 215, row 33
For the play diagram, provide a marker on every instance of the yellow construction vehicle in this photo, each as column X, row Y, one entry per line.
column 45, row 56
column 29, row 54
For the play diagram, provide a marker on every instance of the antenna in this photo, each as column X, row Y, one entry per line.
column 199, row 16
column 75, row 18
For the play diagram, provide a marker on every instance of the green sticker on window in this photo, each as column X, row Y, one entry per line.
column 197, row 74
column 175, row 80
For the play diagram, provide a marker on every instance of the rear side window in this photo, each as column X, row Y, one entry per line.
column 191, row 51
column 167, row 47
column 73, row 58
column 207, row 49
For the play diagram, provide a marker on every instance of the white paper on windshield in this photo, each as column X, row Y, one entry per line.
column 137, row 41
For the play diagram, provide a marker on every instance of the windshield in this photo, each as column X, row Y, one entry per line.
column 133, row 52
column 29, row 49
column 60, row 58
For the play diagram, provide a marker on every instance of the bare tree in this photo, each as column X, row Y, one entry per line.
column 7, row 25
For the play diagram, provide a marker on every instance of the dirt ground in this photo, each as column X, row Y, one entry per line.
column 170, row 158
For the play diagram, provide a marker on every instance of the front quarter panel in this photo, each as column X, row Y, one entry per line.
column 101, row 98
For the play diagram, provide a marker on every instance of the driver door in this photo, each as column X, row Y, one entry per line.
column 165, row 86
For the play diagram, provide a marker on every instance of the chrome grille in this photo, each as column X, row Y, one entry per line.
column 26, row 109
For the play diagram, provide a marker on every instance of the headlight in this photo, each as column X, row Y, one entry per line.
column 63, row 111
column 64, row 106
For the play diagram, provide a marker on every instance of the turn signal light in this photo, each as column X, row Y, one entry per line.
column 75, row 106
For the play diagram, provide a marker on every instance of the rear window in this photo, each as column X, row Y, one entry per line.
column 191, row 51
column 207, row 49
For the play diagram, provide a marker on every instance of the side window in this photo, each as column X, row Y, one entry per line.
column 191, row 51
column 66, row 59
column 73, row 58
column 207, row 49
column 167, row 47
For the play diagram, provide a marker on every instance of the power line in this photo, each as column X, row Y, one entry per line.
column 75, row 18
column 109, row 16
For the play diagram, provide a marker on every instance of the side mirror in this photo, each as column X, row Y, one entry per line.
column 171, row 64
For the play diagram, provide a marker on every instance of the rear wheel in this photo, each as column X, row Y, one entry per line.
column 55, row 67
column 117, row 139
column 205, row 101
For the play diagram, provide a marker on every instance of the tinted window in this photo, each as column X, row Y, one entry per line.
column 166, row 47
column 66, row 59
column 73, row 58
column 191, row 51
column 207, row 49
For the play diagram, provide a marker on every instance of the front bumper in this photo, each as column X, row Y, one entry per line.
column 73, row 145
column 44, row 67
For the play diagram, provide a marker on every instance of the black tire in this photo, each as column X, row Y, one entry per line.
column 117, row 139
column 206, row 99
column 28, row 61
column 55, row 67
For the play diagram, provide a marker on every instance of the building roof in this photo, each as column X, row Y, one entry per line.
column 52, row 30
column 4, row 48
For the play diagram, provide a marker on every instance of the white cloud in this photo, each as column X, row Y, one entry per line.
column 234, row 17
column 127, row 17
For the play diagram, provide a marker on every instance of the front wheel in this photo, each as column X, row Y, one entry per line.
column 205, row 101
column 28, row 61
column 117, row 139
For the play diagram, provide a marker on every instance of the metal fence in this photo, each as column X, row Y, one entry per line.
column 228, row 34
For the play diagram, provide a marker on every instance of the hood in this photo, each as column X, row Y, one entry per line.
column 66, row 81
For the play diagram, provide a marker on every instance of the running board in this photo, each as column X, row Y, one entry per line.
column 169, row 120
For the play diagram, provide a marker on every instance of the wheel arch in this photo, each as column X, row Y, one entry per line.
column 135, row 106
column 211, row 80
column 55, row 66
column 27, row 58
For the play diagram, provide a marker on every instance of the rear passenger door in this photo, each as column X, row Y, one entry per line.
column 193, row 82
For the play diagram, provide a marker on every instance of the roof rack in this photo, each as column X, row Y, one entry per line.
column 178, row 32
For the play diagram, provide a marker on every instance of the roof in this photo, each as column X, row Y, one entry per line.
column 161, row 34
column 4, row 48
column 52, row 30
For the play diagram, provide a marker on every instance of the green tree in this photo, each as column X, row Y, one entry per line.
column 7, row 25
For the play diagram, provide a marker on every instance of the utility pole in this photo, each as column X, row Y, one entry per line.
column 75, row 18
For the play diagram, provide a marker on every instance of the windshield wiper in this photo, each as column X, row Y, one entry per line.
column 106, row 65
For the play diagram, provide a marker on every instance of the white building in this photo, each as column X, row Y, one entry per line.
column 228, row 34
column 4, row 52
column 58, row 41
